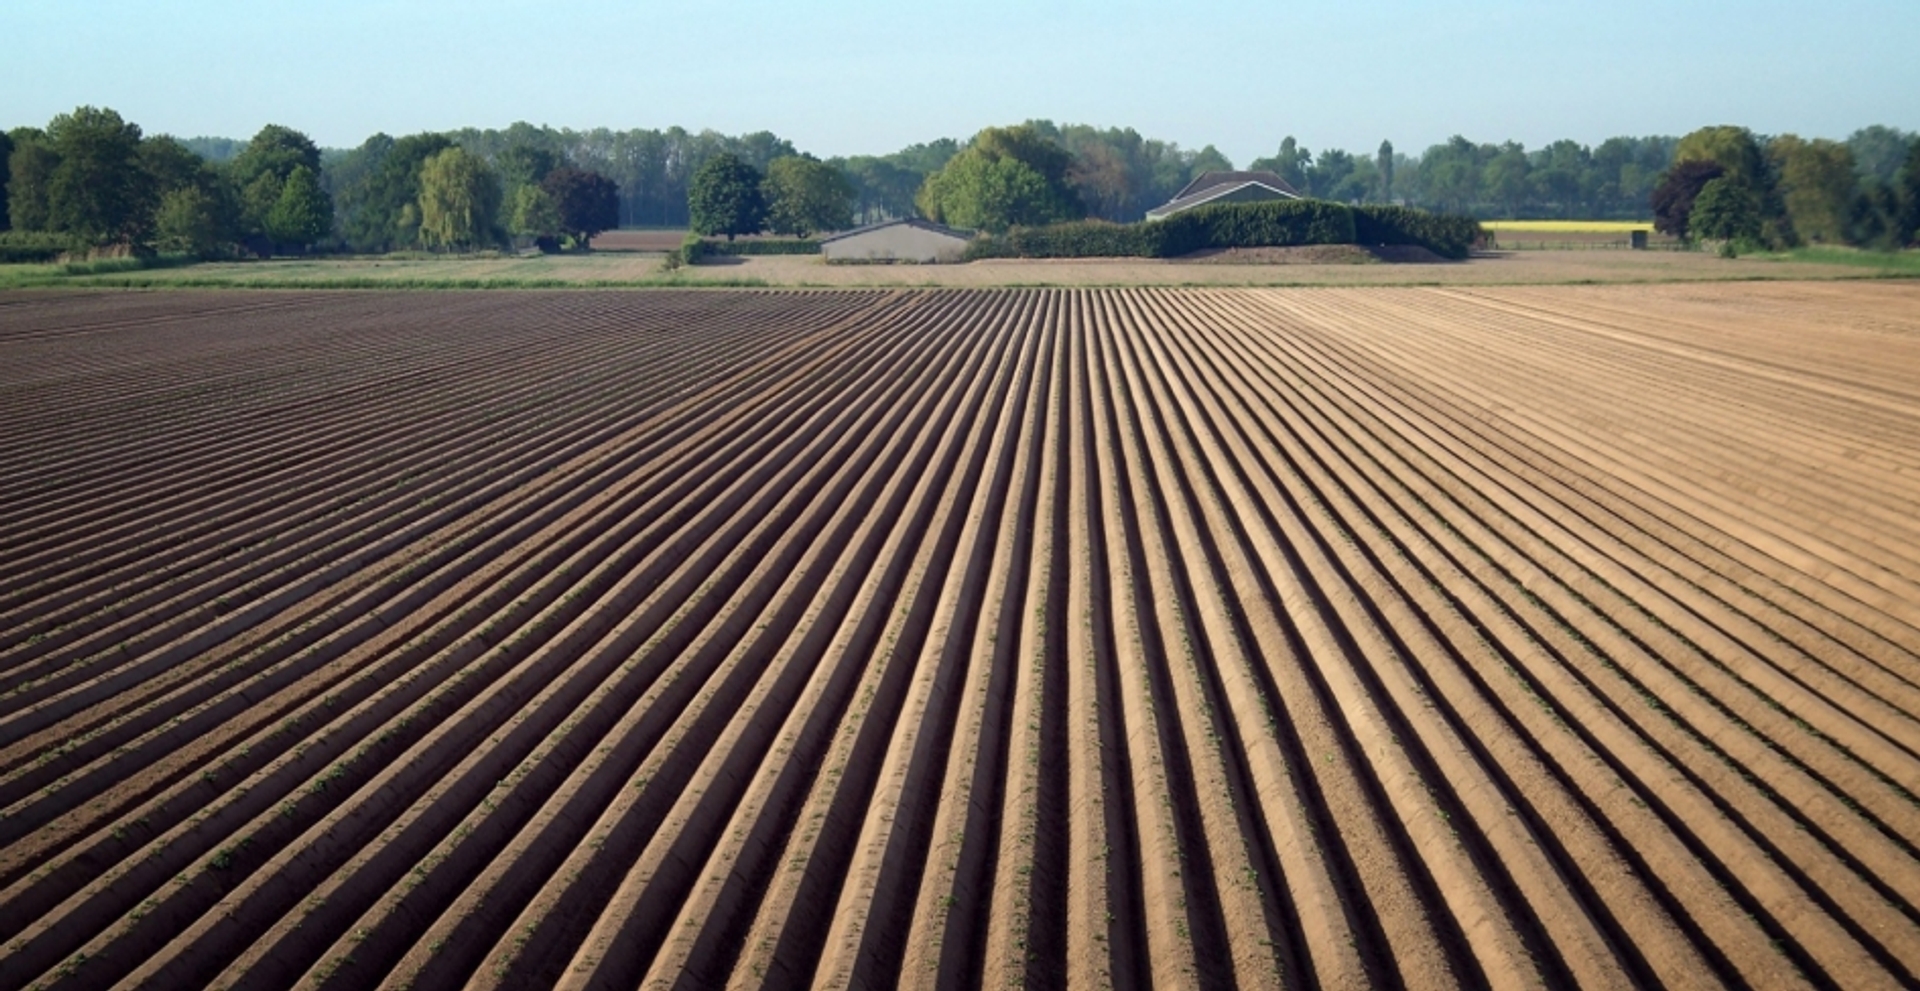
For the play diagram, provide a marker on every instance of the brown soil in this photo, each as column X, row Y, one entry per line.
column 638, row 240
column 1507, row 637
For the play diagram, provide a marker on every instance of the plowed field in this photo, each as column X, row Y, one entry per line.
column 1528, row 637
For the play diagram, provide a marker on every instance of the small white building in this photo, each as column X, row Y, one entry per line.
column 907, row 239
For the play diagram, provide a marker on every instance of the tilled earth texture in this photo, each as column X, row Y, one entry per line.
column 1512, row 638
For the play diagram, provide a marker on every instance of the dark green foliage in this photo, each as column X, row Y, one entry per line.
column 304, row 213
column 380, row 211
column 1075, row 239
column 97, row 189
column 216, row 150
column 1727, row 209
column 459, row 204
column 763, row 246
column 1383, row 163
column 804, row 195
column 30, row 175
column 171, row 165
column 587, row 202
column 694, row 247
column 275, row 151
column 525, row 165
column 1447, row 235
column 1238, row 225
column 1291, row 163
column 1008, row 176
column 1907, row 196
column 1275, row 224
column 37, row 246
column 1672, row 200
column 6, row 152
column 724, row 198
column 1873, row 216
column 188, row 222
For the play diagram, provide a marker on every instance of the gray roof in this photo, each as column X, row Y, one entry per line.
column 925, row 225
column 1208, row 180
column 1214, row 185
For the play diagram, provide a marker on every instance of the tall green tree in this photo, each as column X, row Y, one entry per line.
column 275, row 150
column 98, row 191
column 303, row 215
column 1878, row 151
column 531, row 213
column 29, row 178
column 882, row 187
column 1727, row 209
column 380, row 211
column 188, row 221
column 587, row 202
column 804, row 195
column 1292, row 163
column 261, row 170
column 1673, row 199
column 459, row 200
column 724, row 198
column 1007, row 176
column 1736, row 150
column 1507, row 179
column 1907, row 195
column 1817, row 183
column 1383, row 161
column 6, row 173
column 525, row 165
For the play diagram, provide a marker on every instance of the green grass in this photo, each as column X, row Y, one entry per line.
column 1887, row 263
column 406, row 271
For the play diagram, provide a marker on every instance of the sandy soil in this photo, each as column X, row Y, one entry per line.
column 1515, row 636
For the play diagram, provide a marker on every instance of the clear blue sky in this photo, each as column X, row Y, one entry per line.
column 873, row 76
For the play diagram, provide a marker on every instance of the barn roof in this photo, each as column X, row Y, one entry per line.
column 1213, row 185
column 925, row 225
column 1208, row 180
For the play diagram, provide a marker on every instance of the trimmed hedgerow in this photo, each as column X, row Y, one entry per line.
column 1076, row 239
column 1446, row 235
column 764, row 246
column 1274, row 224
column 696, row 247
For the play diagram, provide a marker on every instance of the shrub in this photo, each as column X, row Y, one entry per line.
column 38, row 246
column 1446, row 235
column 1077, row 239
column 1276, row 224
column 1727, row 210
column 763, row 246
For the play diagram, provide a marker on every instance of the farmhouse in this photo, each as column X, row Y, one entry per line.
column 1226, row 187
column 908, row 239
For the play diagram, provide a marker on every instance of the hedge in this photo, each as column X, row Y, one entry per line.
column 1279, row 223
column 1078, row 239
column 1446, row 235
column 696, row 248
column 1274, row 224
column 37, row 246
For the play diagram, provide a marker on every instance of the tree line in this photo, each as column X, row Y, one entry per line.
column 94, row 177
column 1729, row 185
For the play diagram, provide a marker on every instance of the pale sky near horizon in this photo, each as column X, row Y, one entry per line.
column 871, row 77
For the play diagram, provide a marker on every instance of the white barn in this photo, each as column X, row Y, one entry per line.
column 907, row 239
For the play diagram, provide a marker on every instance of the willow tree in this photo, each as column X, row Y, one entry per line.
column 459, row 199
